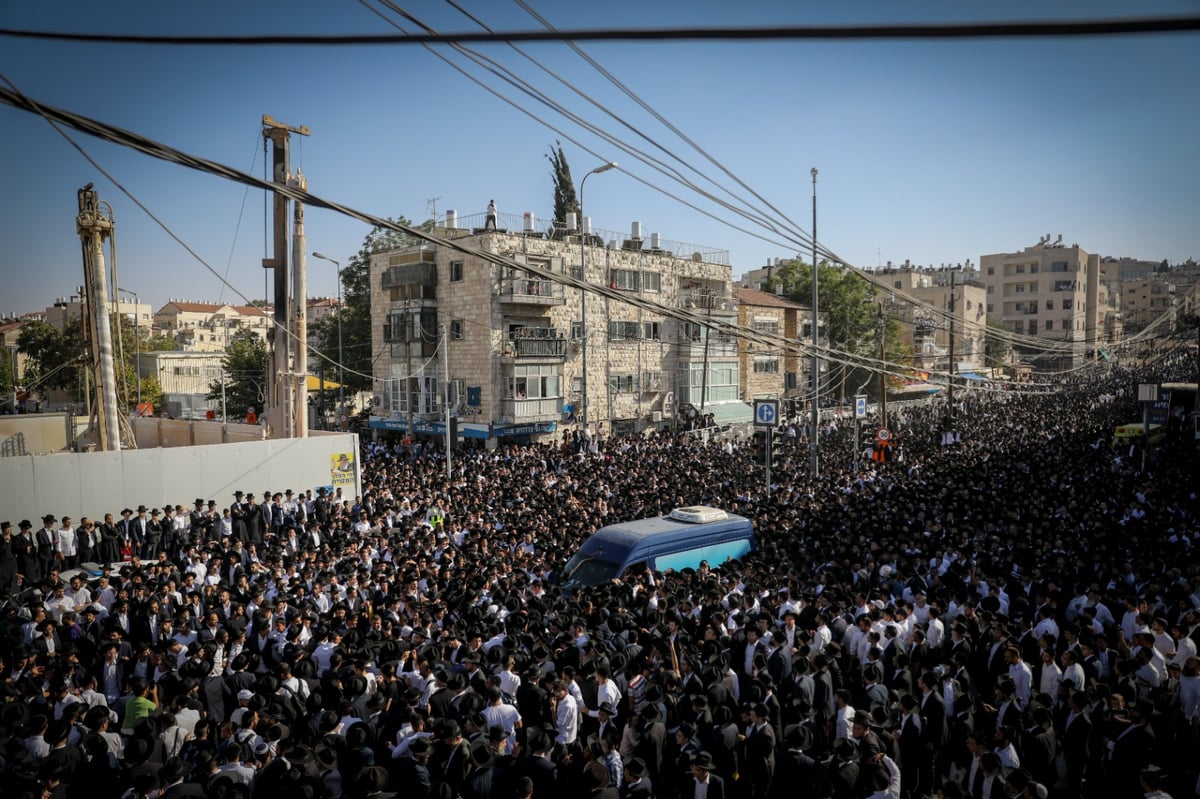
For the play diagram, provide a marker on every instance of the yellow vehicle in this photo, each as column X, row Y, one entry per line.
column 1133, row 433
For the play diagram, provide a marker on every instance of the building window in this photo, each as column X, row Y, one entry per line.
column 456, row 271
column 989, row 290
column 533, row 382
column 624, row 279
column 766, row 366
column 989, row 305
column 1033, row 327
column 1033, row 268
column 623, row 331
column 1049, row 305
column 650, row 331
column 651, row 281
column 623, row 383
column 991, row 271
column 1068, row 305
column 1019, row 326
column 458, row 329
column 1049, row 324
column 576, row 386
column 1019, row 288
column 897, row 285
column 1033, row 287
column 576, row 330
column 652, row 381
column 1020, row 270
column 768, row 326
column 1059, row 266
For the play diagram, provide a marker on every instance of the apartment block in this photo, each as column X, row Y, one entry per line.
column 517, row 342
column 1053, row 292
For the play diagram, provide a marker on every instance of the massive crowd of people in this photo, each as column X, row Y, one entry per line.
column 1010, row 611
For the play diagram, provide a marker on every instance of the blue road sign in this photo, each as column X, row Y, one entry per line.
column 766, row 413
column 860, row 406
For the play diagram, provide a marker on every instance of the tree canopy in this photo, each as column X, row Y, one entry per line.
column 356, row 310
column 565, row 201
column 244, row 367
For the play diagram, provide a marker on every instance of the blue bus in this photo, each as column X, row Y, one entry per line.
column 680, row 540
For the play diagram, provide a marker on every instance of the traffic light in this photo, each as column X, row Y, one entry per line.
column 761, row 448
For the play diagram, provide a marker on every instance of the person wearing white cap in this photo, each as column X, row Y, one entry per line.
column 243, row 696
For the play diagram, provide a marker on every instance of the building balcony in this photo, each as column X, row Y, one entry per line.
column 530, row 291
column 539, row 342
column 422, row 273
column 532, row 410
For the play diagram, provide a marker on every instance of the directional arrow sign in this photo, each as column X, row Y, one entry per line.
column 766, row 413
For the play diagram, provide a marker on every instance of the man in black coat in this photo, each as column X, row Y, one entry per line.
column 8, row 560
column 702, row 774
column 1075, row 740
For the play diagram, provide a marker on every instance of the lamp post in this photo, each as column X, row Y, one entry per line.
column 583, row 276
column 341, row 361
column 137, row 341
column 13, row 349
column 814, row 435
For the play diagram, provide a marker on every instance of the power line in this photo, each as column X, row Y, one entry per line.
column 932, row 31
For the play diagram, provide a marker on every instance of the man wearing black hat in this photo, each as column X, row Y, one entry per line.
column 25, row 549
column 171, row 776
column 704, row 782
column 45, row 545
column 8, row 560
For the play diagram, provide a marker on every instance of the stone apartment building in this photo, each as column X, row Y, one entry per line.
column 768, row 371
column 208, row 326
column 70, row 309
column 1146, row 299
column 1052, row 292
column 516, row 342
column 929, row 334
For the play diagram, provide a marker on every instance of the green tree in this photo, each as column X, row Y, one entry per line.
column 244, row 365
column 565, row 201
column 356, row 311
column 843, row 298
column 159, row 343
column 996, row 349
column 53, row 355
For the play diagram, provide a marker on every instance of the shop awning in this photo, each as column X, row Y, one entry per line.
column 969, row 376
column 314, row 383
column 725, row 413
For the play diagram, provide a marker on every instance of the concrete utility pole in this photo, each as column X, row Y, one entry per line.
column 446, row 394
column 814, row 436
column 950, row 407
column 94, row 225
column 278, row 411
column 299, row 315
column 583, row 277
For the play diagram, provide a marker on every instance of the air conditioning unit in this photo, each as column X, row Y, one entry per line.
column 698, row 514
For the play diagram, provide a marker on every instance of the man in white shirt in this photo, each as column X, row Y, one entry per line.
column 566, row 715
column 1021, row 675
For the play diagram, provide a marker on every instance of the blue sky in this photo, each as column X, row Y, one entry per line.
column 930, row 151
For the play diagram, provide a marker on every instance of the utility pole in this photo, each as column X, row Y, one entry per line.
column 278, row 410
column 95, row 224
column 950, row 408
column 408, row 375
column 814, row 436
column 883, row 367
column 446, row 393
column 583, row 277
column 300, row 315
column 707, row 330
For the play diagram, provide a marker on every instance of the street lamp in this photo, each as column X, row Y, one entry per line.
column 13, row 349
column 137, row 340
column 583, row 276
column 814, row 435
column 341, row 360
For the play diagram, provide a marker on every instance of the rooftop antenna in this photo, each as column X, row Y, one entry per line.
column 431, row 208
